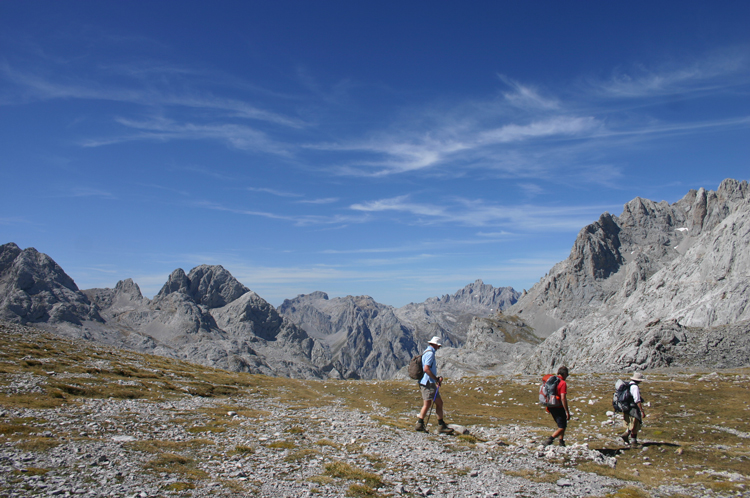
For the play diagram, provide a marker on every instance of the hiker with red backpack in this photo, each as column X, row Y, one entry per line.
column 554, row 390
column 429, row 386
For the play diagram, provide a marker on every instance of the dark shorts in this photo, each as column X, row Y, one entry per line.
column 558, row 413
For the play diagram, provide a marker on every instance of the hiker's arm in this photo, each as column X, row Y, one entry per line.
column 564, row 399
column 429, row 373
column 640, row 407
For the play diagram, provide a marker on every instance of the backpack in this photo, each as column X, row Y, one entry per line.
column 622, row 399
column 548, row 392
column 416, row 371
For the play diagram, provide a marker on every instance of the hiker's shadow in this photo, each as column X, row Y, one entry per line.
column 660, row 443
column 610, row 452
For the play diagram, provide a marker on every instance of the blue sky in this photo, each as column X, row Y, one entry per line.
column 396, row 149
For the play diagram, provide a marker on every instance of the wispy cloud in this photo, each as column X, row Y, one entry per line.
column 711, row 72
column 527, row 97
column 88, row 192
column 468, row 212
column 326, row 200
column 393, row 154
column 297, row 220
column 277, row 193
column 13, row 220
column 163, row 129
column 36, row 87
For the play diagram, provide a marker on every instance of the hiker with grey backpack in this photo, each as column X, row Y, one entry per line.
column 429, row 386
column 628, row 400
column 553, row 394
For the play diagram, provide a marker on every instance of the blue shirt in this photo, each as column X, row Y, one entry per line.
column 428, row 358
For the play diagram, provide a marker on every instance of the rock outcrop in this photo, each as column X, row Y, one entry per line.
column 450, row 316
column 660, row 285
column 495, row 345
column 372, row 340
column 208, row 317
column 34, row 289
column 365, row 338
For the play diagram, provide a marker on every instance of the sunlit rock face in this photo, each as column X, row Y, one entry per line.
column 34, row 289
column 663, row 284
column 371, row 340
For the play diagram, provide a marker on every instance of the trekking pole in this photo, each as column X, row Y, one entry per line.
column 437, row 388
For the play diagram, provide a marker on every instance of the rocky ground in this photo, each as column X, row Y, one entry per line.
column 89, row 421
column 104, row 450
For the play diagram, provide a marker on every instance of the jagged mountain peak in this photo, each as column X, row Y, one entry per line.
column 681, row 279
column 35, row 289
column 477, row 294
column 208, row 285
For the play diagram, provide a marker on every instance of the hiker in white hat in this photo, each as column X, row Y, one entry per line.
column 429, row 386
column 633, row 417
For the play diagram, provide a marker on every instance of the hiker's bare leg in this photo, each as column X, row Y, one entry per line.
column 439, row 408
column 425, row 407
column 558, row 432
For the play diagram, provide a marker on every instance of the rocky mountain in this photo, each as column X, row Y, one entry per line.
column 206, row 317
column 662, row 284
column 372, row 340
column 495, row 345
column 33, row 288
column 365, row 338
column 450, row 316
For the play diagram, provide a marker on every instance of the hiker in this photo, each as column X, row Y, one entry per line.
column 633, row 417
column 429, row 385
column 561, row 414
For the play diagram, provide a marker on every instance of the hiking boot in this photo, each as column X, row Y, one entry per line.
column 626, row 437
column 420, row 426
column 548, row 441
column 443, row 428
column 562, row 443
column 634, row 444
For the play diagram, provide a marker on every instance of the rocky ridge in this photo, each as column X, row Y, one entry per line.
column 205, row 316
column 659, row 285
column 209, row 317
column 495, row 345
column 450, row 316
column 372, row 340
column 365, row 338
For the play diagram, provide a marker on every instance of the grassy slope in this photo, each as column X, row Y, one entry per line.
column 693, row 424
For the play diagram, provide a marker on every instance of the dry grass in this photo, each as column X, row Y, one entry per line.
column 242, row 449
column 361, row 491
column 536, row 475
column 176, row 464
column 37, row 443
column 159, row 446
column 282, row 445
column 629, row 492
column 304, row 454
column 342, row 470
column 695, row 422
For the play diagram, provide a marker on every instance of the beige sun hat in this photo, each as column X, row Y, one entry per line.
column 637, row 377
column 436, row 341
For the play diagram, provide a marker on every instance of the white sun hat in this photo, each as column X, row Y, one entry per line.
column 436, row 341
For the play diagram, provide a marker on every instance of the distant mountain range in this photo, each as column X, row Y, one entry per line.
column 660, row 285
column 208, row 317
